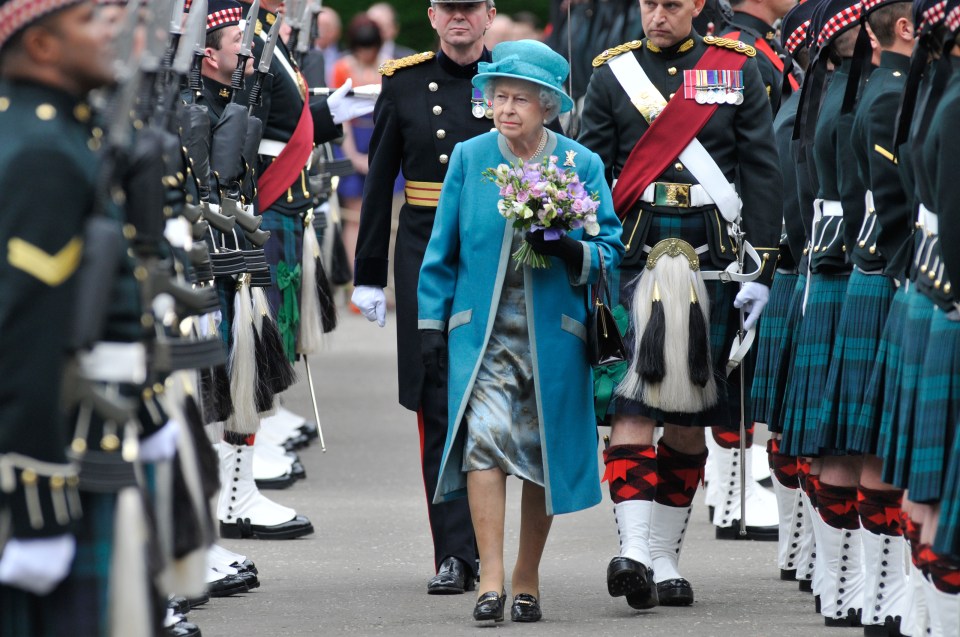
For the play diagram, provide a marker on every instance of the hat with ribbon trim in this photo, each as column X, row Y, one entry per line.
column 796, row 24
column 527, row 60
column 19, row 14
column 220, row 13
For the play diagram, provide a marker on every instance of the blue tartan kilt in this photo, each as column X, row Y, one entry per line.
column 78, row 606
column 897, row 447
column 937, row 409
column 724, row 322
column 285, row 244
column 947, row 541
column 854, row 355
column 805, row 390
column 774, row 336
column 876, row 418
column 784, row 363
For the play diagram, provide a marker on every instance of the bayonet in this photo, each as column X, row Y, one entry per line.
column 199, row 51
column 295, row 11
column 196, row 27
column 266, row 57
column 246, row 47
column 175, row 31
column 302, row 43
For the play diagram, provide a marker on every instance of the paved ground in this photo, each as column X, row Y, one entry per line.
column 364, row 571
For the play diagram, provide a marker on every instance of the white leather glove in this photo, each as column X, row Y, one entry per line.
column 752, row 298
column 37, row 565
column 161, row 444
column 344, row 108
column 372, row 303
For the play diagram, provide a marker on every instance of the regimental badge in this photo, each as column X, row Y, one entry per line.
column 713, row 86
column 479, row 106
column 571, row 154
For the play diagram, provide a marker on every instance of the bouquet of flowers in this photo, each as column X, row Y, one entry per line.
column 543, row 196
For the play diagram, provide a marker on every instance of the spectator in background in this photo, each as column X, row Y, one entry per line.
column 501, row 30
column 385, row 16
column 360, row 64
column 527, row 26
column 317, row 67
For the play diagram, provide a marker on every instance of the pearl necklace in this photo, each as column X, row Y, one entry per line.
column 540, row 147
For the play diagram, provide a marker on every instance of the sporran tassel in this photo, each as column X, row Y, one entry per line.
column 243, row 364
column 698, row 357
column 280, row 371
column 650, row 360
column 310, row 338
column 328, row 306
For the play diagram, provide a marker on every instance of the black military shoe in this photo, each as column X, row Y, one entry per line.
column 626, row 577
column 182, row 629
column 453, row 578
column 228, row 585
column 675, row 592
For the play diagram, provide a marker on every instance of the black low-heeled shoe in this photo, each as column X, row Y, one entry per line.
column 490, row 606
column 526, row 608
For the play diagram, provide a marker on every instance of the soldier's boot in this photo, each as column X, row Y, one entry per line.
column 917, row 618
column 839, row 545
column 943, row 600
column 819, row 568
column 631, row 471
column 761, row 505
column 668, row 527
column 713, row 491
column 885, row 583
column 630, row 573
column 806, row 543
column 272, row 468
column 790, row 511
column 243, row 511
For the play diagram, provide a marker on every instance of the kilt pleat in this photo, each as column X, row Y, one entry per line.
column 947, row 541
column 812, row 363
column 773, row 337
column 784, row 363
column 898, row 443
column 937, row 409
column 865, row 310
column 285, row 244
column 873, row 425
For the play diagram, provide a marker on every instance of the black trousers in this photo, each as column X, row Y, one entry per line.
column 450, row 522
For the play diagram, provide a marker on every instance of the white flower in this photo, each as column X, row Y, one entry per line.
column 590, row 225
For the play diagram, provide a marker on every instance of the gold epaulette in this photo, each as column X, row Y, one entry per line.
column 609, row 54
column 390, row 67
column 733, row 45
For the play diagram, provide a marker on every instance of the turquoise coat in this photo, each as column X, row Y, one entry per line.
column 459, row 290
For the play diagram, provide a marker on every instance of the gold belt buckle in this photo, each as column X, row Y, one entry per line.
column 674, row 195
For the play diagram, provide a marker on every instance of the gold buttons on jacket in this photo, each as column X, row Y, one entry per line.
column 437, row 110
column 678, row 166
column 46, row 112
column 672, row 70
column 444, row 158
column 441, row 134
column 433, row 87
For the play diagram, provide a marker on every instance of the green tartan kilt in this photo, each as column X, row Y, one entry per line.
column 896, row 447
column 78, row 606
column 807, row 382
column 876, row 417
column 784, row 364
column 773, row 338
column 947, row 541
column 938, row 408
column 865, row 311
column 724, row 322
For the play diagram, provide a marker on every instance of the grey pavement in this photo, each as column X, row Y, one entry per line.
column 365, row 569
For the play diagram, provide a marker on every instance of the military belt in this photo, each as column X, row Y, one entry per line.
column 423, row 193
column 176, row 354
column 271, row 147
column 661, row 193
column 111, row 362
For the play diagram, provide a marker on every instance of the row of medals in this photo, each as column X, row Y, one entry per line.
column 481, row 108
column 718, row 95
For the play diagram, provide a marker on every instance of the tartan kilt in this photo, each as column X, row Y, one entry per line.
column 937, row 409
column 897, row 447
column 873, row 424
column 784, row 362
column 865, row 310
column 815, row 341
column 773, row 338
column 285, row 244
column 947, row 541
column 724, row 322
column 78, row 606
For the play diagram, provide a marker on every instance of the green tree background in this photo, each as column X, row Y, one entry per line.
column 415, row 30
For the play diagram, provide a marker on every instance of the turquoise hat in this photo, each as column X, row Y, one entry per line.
column 527, row 60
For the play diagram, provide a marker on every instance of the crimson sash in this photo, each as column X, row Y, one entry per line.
column 676, row 126
column 761, row 45
column 286, row 168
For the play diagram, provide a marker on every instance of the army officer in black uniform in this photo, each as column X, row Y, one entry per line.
column 427, row 105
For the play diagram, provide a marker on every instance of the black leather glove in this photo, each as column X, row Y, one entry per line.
column 565, row 248
column 433, row 349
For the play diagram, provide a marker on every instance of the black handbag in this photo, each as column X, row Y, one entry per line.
column 604, row 340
